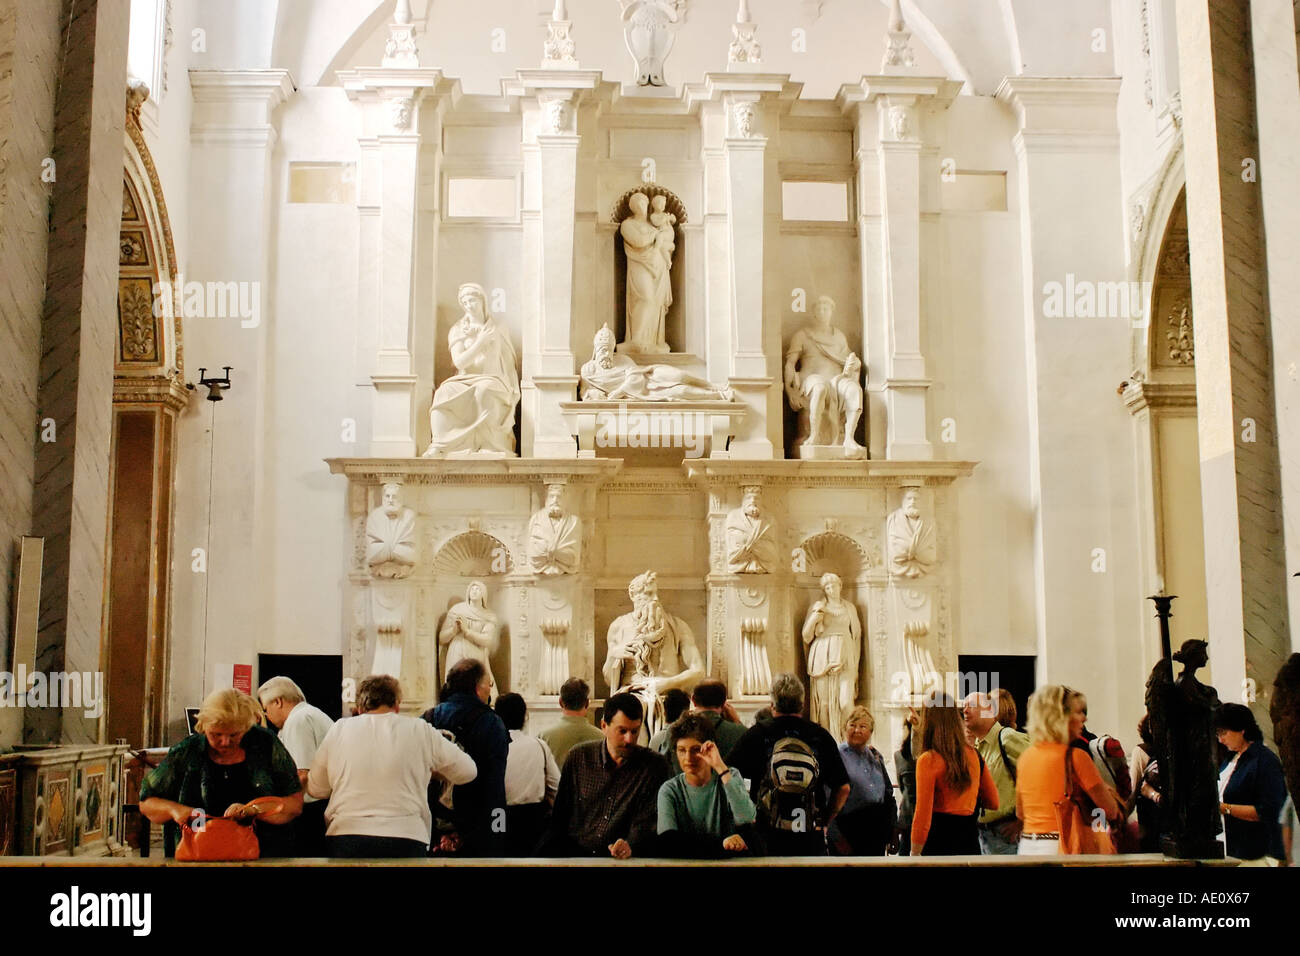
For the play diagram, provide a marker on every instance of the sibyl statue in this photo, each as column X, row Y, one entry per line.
column 474, row 410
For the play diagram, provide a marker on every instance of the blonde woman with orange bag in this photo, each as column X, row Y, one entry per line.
column 1055, row 781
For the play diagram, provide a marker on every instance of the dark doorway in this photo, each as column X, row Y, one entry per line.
column 319, row 675
column 1014, row 672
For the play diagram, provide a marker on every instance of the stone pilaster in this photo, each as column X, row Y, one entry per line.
column 395, row 121
column 891, row 113
column 78, row 330
column 1241, row 480
column 553, row 100
column 737, row 162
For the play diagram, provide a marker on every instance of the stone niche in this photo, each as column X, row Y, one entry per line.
column 472, row 523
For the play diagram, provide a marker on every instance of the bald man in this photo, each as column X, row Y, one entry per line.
column 1001, row 748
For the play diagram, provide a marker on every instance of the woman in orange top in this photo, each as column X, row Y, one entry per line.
column 1056, row 716
column 952, row 783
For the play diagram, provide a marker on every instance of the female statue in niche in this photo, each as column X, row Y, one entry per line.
column 832, row 636
column 474, row 410
column 649, row 247
column 471, row 629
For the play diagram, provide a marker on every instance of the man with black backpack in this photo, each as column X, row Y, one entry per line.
column 796, row 777
column 1000, row 749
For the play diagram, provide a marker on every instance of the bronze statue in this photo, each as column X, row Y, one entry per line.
column 1285, row 714
column 1182, row 715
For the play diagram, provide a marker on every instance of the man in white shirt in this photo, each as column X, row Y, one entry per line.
column 301, row 729
column 532, row 778
column 376, row 768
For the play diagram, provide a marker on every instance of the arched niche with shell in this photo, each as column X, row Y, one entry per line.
column 675, row 324
column 818, row 554
column 464, row 558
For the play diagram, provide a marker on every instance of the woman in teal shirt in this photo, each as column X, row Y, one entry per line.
column 705, row 811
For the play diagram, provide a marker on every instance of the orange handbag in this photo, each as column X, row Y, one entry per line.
column 1073, row 819
column 218, row 839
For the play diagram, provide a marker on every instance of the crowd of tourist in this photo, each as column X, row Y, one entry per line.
column 467, row 779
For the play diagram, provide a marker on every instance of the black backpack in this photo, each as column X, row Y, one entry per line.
column 789, row 793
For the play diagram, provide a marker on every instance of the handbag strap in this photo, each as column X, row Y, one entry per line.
column 1069, row 772
column 1006, row 761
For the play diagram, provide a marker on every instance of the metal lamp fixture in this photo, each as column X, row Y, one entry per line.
column 215, row 386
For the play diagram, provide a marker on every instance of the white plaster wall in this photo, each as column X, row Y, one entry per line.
column 166, row 124
column 314, row 387
column 237, row 34
column 975, row 350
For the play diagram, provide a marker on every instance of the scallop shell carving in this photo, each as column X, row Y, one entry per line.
column 831, row 551
column 473, row 554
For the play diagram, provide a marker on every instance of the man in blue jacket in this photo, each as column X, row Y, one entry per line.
column 478, row 807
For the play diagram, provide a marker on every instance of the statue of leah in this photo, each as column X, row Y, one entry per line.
column 474, row 410
column 832, row 636
column 610, row 377
column 649, row 248
column 470, row 629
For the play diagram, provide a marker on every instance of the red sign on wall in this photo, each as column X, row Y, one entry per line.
column 243, row 679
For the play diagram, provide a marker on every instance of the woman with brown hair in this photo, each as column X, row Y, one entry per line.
column 952, row 784
column 1007, row 715
column 1056, row 717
